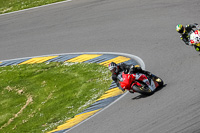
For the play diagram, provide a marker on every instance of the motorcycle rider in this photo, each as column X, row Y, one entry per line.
column 185, row 33
column 116, row 69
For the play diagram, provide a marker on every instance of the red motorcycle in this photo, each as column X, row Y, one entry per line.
column 140, row 83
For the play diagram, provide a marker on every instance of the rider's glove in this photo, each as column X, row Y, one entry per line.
column 126, row 71
column 147, row 73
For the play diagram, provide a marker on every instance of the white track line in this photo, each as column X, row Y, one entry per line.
column 35, row 7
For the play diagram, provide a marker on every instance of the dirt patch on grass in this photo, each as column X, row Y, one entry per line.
column 28, row 101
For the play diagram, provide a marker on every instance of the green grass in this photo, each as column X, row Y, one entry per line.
column 37, row 98
column 15, row 5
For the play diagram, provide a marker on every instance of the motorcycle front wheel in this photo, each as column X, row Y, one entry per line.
column 143, row 89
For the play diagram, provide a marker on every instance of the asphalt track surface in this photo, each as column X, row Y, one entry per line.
column 142, row 28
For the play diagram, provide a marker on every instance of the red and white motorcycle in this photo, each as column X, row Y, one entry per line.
column 195, row 38
column 139, row 83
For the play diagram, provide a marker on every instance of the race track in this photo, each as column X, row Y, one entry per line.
column 142, row 28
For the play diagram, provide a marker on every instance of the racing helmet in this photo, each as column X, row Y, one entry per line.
column 112, row 65
column 180, row 29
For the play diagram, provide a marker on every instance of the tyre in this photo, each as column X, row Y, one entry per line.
column 144, row 89
column 159, row 81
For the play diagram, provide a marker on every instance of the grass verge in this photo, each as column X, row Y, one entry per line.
column 15, row 5
column 39, row 97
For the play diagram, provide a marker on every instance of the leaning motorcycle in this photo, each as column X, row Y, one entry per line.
column 134, row 83
column 195, row 39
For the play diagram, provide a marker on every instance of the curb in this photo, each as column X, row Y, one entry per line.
column 103, row 58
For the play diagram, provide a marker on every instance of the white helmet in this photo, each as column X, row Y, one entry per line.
column 112, row 65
